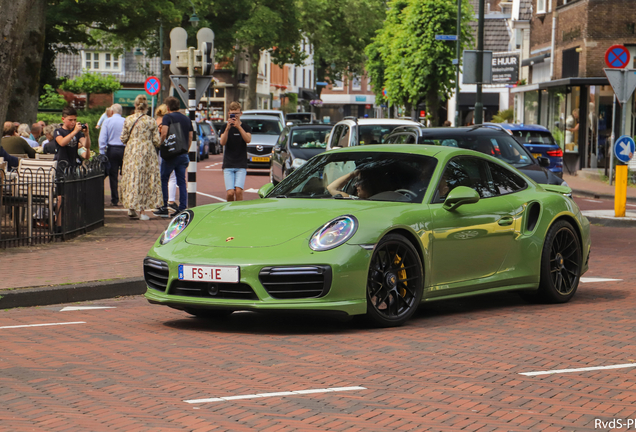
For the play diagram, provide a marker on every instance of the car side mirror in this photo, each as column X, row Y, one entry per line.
column 544, row 161
column 459, row 196
column 265, row 189
column 277, row 149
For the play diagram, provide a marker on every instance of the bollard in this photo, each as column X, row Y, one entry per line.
column 194, row 148
column 620, row 191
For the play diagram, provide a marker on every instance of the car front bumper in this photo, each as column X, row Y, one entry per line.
column 345, row 292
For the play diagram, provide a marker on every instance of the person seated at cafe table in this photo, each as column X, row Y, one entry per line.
column 13, row 143
column 12, row 161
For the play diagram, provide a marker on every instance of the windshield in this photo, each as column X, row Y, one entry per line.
column 375, row 134
column 374, row 176
column 310, row 138
column 207, row 130
column 534, row 137
column 262, row 127
column 501, row 146
column 303, row 117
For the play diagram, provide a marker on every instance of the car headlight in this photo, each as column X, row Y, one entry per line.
column 177, row 225
column 298, row 162
column 333, row 233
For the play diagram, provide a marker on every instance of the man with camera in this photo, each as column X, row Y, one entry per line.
column 110, row 144
column 235, row 136
column 70, row 137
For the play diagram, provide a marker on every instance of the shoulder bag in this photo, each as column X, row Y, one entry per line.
column 175, row 143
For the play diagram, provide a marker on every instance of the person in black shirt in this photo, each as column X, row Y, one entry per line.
column 69, row 138
column 235, row 136
column 178, row 164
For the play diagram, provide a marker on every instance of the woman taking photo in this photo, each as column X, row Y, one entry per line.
column 140, row 187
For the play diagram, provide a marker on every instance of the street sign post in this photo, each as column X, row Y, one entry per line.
column 152, row 86
column 446, row 37
column 617, row 57
column 624, row 151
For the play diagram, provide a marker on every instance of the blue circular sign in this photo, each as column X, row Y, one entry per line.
column 152, row 85
column 624, row 148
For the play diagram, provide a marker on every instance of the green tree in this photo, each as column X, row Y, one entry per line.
column 91, row 83
column 339, row 31
column 51, row 99
column 418, row 68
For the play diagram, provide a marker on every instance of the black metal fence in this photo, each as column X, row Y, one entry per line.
column 38, row 205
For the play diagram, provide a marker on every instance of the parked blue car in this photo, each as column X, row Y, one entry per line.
column 540, row 142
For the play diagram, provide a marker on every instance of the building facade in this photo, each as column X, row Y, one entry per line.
column 567, row 90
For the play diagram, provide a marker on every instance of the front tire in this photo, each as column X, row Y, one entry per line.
column 394, row 283
column 560, row 264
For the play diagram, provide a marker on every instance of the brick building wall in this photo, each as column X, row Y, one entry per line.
column 592, row 26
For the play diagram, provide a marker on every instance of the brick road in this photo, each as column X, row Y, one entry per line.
column 454, row 367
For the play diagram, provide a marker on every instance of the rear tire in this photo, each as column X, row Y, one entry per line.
column 209, row 313
column 394, row 283
column 560, row 264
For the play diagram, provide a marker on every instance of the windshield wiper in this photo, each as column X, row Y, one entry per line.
column 280, row 196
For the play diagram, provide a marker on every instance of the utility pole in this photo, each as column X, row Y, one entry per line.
column 459, row 35
column 479, row 106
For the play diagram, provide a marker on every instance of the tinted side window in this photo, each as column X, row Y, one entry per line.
column 335, row 134
column 465, row 171
column 505, row 181
column 344, row 138
column 282, row 139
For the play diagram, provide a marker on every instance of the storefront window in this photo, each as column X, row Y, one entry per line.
column 572, row 120
column 531, row 107
column 556, row 114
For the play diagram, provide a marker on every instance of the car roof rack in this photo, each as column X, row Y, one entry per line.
column 491, row 126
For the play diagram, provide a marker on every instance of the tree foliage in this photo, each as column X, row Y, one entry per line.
column 51, row 99
column 91, row 83
column 406, row 59
column 339, row 31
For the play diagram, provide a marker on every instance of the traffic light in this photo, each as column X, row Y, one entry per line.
column 422, row 114
column 205, row 37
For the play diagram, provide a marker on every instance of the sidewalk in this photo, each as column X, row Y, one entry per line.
column 107, row 262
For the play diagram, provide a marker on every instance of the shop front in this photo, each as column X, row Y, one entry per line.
column 578, row 113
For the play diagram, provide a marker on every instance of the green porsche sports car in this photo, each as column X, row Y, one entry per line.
column 374, row 230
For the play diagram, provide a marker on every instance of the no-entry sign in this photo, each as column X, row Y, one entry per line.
column 152, row 85
column 617, row 57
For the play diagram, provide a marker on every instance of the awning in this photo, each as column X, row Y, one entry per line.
column 307, row 94
column 534, row 60
column 568, row 82
column 126, row 98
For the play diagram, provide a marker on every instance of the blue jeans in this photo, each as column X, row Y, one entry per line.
column 179, row 165
column 234, row 178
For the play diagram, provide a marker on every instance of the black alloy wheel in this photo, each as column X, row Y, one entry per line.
column 395, row 282
column 560, row 264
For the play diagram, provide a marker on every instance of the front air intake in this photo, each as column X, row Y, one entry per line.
column 296, row 282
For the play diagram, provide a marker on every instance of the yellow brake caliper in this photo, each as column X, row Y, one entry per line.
column 401, row 274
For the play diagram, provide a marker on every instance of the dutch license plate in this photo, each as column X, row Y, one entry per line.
column 537, row 155
column 229, row 274
column 260, row 159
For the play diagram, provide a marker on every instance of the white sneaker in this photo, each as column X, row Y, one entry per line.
column 143, row 217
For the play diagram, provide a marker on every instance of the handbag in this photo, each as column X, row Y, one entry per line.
column 175, row 143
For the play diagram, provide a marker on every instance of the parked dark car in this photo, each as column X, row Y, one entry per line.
column 302, row 117
column 488, row 139
column 295, row 146
column 540, row 142
column 207, row 141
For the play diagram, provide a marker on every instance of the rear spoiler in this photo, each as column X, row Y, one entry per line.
column 563, row 190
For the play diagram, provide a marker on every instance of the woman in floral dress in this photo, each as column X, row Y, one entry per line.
column 140, row 186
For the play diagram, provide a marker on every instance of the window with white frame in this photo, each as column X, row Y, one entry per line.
column 356, row 84
column 541, row 6
column 337, row 85
column 101, row 61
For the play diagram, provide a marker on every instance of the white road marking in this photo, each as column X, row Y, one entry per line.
column 211, row 169
column 251, row 190
column 115, row 209
column 262, row 395
column 43, row 325
column 631, row 205
column 76, row 308
column 557, row 371
column 214, row 164
column 212, row 196
column 590, row 200
column 593, row 279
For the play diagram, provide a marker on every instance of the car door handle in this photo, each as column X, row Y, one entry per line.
column 506, row 220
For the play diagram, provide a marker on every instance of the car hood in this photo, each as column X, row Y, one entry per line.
column 269, row 222
column 540, row 174
column 263, row 139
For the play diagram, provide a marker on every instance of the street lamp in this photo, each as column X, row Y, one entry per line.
column 138, row 52
column 194, row 19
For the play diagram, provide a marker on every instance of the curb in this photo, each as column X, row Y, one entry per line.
column 42, row 296
column 605, row 221
column 599, row 195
